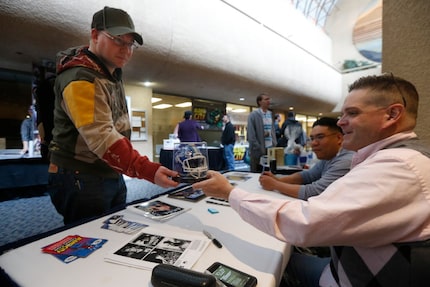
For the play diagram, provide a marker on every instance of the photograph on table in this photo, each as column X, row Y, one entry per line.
column 156, row 246
column 157, row 210
column 187, row 193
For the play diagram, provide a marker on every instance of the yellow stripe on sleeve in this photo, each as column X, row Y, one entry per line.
column 79, row 98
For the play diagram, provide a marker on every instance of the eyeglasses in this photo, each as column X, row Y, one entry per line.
column 120, row 42
column 320, row 137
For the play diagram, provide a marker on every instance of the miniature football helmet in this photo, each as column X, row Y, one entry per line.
column 193, row 162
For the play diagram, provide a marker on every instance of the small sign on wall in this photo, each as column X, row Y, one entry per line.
column 138, row 125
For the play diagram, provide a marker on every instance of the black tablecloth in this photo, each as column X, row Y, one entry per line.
column 23, row 172
column 215, row 158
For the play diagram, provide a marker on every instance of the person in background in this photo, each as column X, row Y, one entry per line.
column 292, row 131
column 27, row 132
column 228, row 138
column 44, row 96
column 334, row 162
column 376, row 218
column 260, row 132
column 277, row 126
column 91, row 146
column 187, row 129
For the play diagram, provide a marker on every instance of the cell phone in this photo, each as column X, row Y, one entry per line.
column 232, row 277
column 187, row 193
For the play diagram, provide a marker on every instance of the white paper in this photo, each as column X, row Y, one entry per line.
column 136, row 121
column 152, row 247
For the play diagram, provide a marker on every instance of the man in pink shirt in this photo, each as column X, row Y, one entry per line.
column 376, row 218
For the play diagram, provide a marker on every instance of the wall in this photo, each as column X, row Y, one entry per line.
column 141, row 99
column 340, row 26
column 296, row 28
column 406, row 50
column 349, row 78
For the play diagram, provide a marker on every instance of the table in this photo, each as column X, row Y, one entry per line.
column 215, row 158
column 21, row 172
column 244, row 248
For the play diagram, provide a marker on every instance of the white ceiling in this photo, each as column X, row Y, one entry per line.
column 209, row 49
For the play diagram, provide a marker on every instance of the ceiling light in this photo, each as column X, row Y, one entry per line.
column 183, row 105
column 154, row 100
column 238, row 110
column 162, row 106
column 291, row 108
column 147, row 84
column 241, row 99
column 301, row 118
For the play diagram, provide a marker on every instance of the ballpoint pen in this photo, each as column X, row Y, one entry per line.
column 214, row 240
column 217, row 203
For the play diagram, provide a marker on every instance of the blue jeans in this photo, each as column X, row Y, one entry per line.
column 79, row 196
column 229, row 156
column 305, row 270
